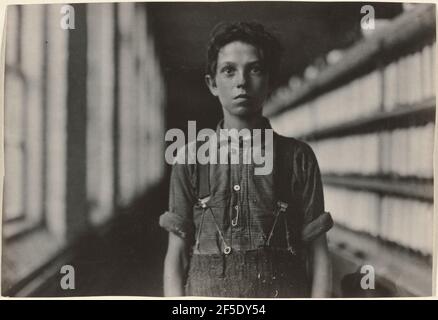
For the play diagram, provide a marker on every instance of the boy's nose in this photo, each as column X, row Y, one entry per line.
column 241, row 79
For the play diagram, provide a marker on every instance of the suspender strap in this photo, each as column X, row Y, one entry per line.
column 283, row 169
column 203, row 180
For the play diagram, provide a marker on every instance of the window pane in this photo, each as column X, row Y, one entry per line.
column 100, row 110
column 57, row 43
column 32, row 42
column 12, row 29
column 13, row 204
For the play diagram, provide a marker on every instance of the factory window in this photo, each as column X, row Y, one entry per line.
column 23, row 194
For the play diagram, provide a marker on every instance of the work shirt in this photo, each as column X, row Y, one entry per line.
column 241, row 204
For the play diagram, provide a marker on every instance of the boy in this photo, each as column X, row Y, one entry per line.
column 233, row 233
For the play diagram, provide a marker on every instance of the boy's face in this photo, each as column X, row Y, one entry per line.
column 240, row 83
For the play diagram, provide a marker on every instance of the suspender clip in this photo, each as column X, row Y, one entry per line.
column 227, row 250
column 203, row 202
column 282, row 206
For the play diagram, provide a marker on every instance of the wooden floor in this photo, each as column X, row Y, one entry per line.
column 127, row 260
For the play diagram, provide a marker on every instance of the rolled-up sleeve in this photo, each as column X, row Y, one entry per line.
column 179, row 218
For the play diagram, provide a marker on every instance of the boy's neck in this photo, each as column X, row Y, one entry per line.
column 239, row 123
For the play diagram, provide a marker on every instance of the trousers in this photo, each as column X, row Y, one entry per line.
column 260, row 273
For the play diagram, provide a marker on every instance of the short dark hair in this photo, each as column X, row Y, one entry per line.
column 248, row 32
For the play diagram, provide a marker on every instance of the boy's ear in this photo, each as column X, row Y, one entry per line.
column 211, row 83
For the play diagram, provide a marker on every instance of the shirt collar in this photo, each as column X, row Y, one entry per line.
column 264, row 124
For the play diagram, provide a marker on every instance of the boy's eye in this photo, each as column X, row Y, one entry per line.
column 228, row 70
column 256, row 69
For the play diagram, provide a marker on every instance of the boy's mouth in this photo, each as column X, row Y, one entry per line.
column 242, row 96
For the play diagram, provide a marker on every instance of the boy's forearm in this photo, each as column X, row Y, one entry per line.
column 175, row 265
column 173, row 278
column 321, row 287
column 322, row 271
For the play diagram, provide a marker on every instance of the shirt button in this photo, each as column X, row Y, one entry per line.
column 236, row 187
